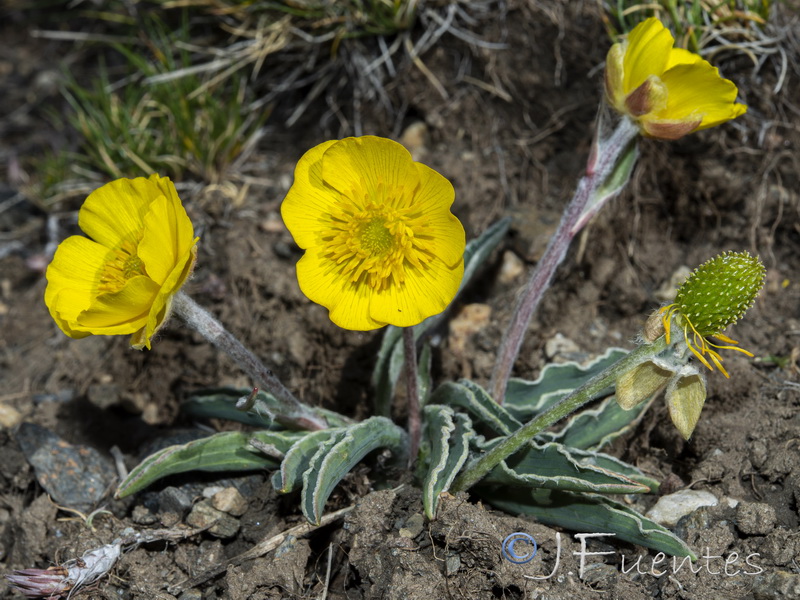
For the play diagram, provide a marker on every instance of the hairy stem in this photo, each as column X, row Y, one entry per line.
column 412, row 392
column 589, row 391
column 604, row 157
column 290, row 412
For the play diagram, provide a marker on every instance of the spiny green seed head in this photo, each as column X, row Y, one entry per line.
column 720, row 291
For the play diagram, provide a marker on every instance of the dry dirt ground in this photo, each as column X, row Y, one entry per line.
column 510, row 127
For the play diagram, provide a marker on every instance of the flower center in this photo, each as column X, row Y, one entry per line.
column 375, row 237
column 123, row 264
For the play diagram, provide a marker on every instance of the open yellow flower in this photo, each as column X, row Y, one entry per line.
column 382, row 246
column 121, row 281
column 668, row 91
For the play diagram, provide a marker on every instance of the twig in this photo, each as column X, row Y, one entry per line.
column 259, row 550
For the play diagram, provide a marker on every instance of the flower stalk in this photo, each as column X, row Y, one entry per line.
column 607, row 152
column 586, row 393
column 290, row 412
column 412, row 393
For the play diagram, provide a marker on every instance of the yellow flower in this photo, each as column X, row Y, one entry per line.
column 121, row 281
column 668, row 91
column 381, row 246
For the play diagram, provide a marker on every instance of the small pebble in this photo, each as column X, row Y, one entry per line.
column 755, row 518
column 174, row 500
column 230, row 501
column 511, row 268
column 222, row 525
column 413, row 526
column 452, row 564
column 558, row 345
column 10, row 417
column 103, row 396
column 469, row 320
column 669, row 509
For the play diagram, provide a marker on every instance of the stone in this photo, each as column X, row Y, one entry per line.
column 230, row 501
column 219, row 524
column 755, row 518
column 669, row 509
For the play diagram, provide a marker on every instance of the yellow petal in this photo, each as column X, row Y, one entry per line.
column 115, row 212
column 120, row 312
column 72, row 279
column 308, row 204
column 366, row 167
column 168, row 235
column 697, row 92
column 427, row 291
column 679, row 56
column 160, row 309
column 647, row 52
column 443, row 232
column 322, row 281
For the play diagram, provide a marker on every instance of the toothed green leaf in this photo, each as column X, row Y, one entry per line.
column 526, row 399
column 477, row 402
column 595, row 427
column 554, row 466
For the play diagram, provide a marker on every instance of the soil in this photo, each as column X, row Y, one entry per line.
column 511, row 128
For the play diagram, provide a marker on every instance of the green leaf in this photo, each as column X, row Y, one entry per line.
column 554, row 466
column 226, row 451
column 448, row 435
column 477, row 402
column 595, row 428
column 586, row 513
column 390, row 356
column 338, row 455
column 290, row 475
column 220, row 403
column 613, row 184
column 526, row 399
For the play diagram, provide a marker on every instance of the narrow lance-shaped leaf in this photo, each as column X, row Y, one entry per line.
column 220, row 403
column 226, row 451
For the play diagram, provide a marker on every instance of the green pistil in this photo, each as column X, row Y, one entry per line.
column 720, row 291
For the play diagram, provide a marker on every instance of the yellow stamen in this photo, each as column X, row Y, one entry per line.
column 377, row 236
column 123, row 265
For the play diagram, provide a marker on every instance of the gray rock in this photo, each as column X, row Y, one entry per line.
column 220, row 524
column 74, row 476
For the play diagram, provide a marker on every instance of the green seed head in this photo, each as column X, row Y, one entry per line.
column 720, row 291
